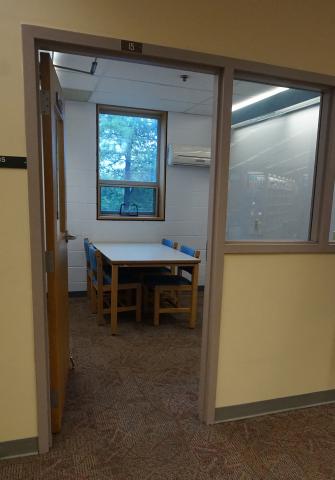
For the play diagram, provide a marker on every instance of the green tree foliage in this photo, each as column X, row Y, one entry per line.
column 113, row 197
column 128, row 149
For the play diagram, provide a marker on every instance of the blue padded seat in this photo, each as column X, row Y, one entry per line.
column 187, row 269
column 95, row 282
column 139, row 272
column 188, row 250
column 124, row 277
column 167, row 242
column 108, row 281
column 165, row 280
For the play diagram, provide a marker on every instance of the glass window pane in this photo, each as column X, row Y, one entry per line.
column 128, row 201
column 272, row 162
column 128, row 147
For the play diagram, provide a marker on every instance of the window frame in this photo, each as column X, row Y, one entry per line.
column 159, row 186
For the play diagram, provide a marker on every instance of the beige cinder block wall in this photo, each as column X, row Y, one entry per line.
column 297, row 34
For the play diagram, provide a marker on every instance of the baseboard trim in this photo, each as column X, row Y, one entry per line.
column 237, row 412
column 79, row 293
column 21, row 447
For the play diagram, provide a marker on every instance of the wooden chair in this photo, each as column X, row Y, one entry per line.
column 101, row 283
column 193, row 253
column 176, row 284
column 170, row 243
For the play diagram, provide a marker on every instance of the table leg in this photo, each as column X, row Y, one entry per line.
column 100, row 292
column 114, row 299
column 157, row 303
column 194, row 306
column 138, row 294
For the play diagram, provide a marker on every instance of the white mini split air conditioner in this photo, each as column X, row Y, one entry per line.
column 189, row 155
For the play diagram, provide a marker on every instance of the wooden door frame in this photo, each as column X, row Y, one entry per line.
column 34, row 38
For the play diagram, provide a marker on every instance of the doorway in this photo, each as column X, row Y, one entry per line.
column 38, row 276
column 109, row 120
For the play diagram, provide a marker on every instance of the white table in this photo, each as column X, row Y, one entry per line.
column 144, row 255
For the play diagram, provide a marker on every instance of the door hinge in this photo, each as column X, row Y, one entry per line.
column 54, row 398
column 45, row 102
column 49, row 262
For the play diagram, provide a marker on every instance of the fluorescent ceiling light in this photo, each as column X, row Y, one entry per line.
column 258, row 98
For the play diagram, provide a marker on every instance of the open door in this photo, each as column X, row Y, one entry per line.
column 56, row 236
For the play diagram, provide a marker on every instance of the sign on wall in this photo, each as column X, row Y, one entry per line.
column 130, row 46
column 9, row 161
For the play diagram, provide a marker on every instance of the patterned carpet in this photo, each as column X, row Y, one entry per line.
column 131, row 414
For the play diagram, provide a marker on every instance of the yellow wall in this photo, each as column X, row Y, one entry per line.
column 278, row 332
column 295, row 33
column 17, row 375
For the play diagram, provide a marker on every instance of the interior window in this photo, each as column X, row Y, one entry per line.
column 272, row 162
column 130, row 160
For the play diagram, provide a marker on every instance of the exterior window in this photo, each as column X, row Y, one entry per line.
column 272, row 162
column 131, row 163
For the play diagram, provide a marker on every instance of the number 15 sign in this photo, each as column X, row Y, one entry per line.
column 129, row 46
column 7, row 161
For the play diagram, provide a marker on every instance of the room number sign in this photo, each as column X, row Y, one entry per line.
column 130, row 46
column 8, row 161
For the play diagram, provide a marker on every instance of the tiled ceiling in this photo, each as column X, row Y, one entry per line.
column 129, row 84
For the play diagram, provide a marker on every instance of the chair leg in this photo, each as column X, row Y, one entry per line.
column 138, row 303
column 93, row 300
column 145, row 300
column 89, row 287
column 157, row 296
column 194, row 300
column 100, row 316
column 129, row 296
column 176, row 298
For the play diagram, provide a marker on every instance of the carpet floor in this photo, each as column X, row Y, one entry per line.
column 131, row 414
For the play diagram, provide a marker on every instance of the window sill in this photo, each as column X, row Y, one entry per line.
column 123, row 218
column 277, row 247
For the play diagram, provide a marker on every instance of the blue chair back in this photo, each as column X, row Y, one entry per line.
column 86, row 247
column 168, row 243
column 92, row 256
column 189, row 251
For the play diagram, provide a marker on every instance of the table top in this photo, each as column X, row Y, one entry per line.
column 143, row 253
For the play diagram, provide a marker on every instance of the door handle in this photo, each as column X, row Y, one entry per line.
column 68, row 236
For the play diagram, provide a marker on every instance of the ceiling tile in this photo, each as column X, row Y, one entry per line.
column 160, row 75
column 80, row 81
column 134, row 100
column 143, row 89
column 75, row 95
column 145, row 86
column 201, row 109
